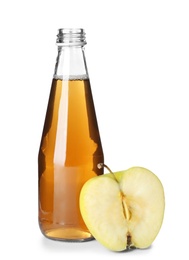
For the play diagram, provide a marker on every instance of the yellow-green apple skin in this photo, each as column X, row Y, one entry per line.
column 123, row 209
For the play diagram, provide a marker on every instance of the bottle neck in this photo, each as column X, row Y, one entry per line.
column 71, row 63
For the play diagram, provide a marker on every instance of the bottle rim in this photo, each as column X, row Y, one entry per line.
column 71, row 37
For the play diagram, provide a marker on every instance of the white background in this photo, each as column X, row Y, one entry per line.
column 138, row 61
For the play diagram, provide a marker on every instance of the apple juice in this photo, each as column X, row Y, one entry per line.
column 69, row 152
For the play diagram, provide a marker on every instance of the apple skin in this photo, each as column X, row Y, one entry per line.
column 123, row 209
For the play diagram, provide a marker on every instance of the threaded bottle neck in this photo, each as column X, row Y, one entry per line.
column 71, row 37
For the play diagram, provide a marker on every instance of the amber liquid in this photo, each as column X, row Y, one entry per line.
column 69, row 153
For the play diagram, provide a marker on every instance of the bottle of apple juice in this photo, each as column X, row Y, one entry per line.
column 70, row 148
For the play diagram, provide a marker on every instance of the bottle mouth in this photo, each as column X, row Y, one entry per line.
column 71, row 37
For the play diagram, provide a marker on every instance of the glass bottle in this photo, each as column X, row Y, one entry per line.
column 70, row 146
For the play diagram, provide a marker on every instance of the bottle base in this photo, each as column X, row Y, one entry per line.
column 68, row 235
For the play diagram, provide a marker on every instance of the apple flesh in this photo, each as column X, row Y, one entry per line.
column 123, row 209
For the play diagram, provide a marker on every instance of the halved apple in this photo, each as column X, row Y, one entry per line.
column 123, row 209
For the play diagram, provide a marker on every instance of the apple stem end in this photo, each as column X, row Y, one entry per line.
column 101, row 165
